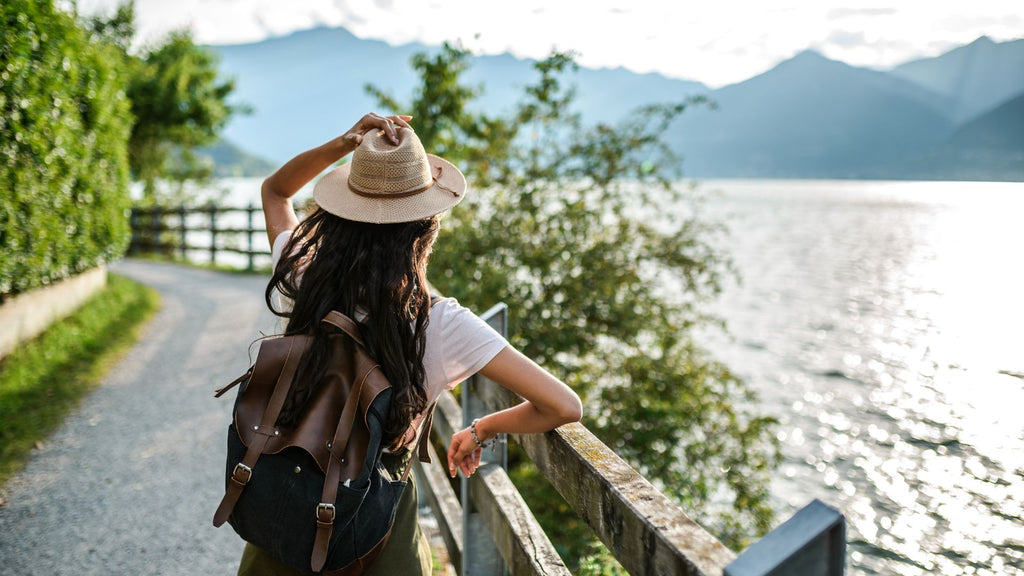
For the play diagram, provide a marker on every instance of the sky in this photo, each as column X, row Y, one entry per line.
column 716, row 42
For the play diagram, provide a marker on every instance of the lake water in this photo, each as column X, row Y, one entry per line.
column 882, row 323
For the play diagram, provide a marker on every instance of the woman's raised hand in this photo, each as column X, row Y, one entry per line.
column 279, row 188
column 373, row 121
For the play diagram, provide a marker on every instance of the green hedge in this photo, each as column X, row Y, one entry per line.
column 64, row 127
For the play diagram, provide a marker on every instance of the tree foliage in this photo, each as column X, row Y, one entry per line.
column 64, row 126
column 444, row 121
column 178, row 101
column 179, row 104
column 607, row 268
column 79, row 116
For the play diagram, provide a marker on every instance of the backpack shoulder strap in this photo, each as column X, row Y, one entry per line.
column 325, row 511
column 345, row 324
column 424, row 454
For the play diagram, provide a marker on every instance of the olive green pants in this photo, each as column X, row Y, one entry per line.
column 406, row 552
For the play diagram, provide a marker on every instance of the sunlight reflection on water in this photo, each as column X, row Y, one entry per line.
column 881, row 321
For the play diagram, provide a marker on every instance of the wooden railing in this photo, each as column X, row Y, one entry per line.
column 490, row 527
column 644, row 530
column 200, row 233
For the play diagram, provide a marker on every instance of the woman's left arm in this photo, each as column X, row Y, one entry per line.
column 279, row 188
column 549, row 404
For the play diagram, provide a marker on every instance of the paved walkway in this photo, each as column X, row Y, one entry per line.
column 129, row 483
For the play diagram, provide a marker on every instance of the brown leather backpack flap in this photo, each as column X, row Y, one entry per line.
column 351, row 376
column 254, row 400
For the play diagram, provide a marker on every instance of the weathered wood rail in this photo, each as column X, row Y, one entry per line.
column 490, row 528
column 644, row 530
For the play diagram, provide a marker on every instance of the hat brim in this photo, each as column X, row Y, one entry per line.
column 334, row 195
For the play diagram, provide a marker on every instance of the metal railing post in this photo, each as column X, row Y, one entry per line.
column 480, row 555
column 811, row 543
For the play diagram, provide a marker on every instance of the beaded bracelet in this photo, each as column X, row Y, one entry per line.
column 479, row 444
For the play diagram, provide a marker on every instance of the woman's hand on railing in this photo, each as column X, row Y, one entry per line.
column 463, row 453
column 549, row 404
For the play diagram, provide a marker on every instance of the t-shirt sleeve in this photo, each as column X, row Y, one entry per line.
column 467, row 343
column 276, row 251
column 278, row 248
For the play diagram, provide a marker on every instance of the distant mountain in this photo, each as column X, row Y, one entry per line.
column 1000, row 129
column 988, row 147
column 602, row 94
column 810, row 117
column 231, row 161
column 308, row 86
column 977, row 77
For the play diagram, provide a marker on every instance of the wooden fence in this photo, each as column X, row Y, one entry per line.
column 200, row 233
column 488, row 529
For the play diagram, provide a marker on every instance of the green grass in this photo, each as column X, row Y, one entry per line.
column 45, row 378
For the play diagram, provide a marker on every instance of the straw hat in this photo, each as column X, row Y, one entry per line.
column 386, row 183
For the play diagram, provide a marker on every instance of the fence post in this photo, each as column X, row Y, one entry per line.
column 480, row 556
column 250, row 210
column 213, row 233
column 133, row 246
column 156, row 222
column 181, row 226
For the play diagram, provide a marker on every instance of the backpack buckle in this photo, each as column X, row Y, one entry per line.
column 325, row 507
column 243, row 469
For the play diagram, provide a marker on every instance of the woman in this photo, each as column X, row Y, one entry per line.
column 364, row 252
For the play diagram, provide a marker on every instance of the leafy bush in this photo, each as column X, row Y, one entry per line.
column 607, row 267
column 178, row 104
column 64, row 128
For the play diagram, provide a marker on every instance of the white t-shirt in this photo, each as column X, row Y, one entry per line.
column 458, row 342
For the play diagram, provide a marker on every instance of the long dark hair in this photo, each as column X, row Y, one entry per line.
column 376, row 270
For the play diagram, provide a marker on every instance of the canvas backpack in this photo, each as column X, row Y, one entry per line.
column 316, row 496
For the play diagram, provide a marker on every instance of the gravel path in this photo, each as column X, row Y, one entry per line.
column 129, row 483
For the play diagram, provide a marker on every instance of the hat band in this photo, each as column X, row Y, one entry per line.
column 378, row 196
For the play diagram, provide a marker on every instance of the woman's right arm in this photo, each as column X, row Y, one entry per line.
column 549, row 404
column 279, row 188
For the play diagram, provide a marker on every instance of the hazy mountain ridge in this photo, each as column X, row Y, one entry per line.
column 980, row 149
column 989, row 129
column 807, row 117
column 977, row 77
column 230, row 160
column 305, row 86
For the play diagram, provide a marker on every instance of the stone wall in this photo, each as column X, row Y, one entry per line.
column 27, row 315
